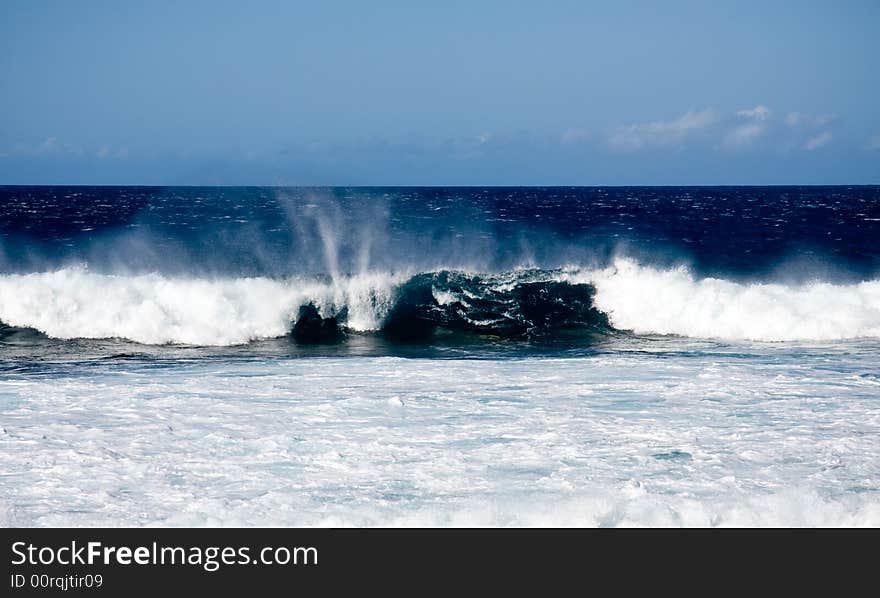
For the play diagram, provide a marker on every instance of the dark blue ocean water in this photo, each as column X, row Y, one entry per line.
column 721, row 231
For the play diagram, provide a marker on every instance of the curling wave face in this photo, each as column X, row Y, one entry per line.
column 625, row 296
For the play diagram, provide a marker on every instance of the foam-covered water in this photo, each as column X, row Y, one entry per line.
column 692, row 356
column 674, row 301
column 73, row 303
column 675, row 435
column 155, row 309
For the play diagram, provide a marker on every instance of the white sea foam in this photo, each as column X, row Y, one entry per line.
column 674, row 301
column 155, row 309
column 680, row 438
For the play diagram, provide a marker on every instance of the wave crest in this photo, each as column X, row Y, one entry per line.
column 673, row 301
column 155, row 309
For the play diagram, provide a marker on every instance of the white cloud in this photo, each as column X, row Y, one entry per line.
column 661, row 133
column 575, row 135
column 743, row 135
column 759, row 112
column 50, row 145
column 818, row 141
column 793, row 119
column 799, row 119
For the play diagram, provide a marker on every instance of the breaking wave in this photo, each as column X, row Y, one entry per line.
column 75, row 302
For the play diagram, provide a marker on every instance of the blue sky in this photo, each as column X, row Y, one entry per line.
column 439, row 93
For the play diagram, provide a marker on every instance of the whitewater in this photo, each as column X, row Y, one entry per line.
column 696, row 435
column 155, row 309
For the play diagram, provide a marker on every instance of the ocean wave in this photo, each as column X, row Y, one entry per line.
column 674, row 301
column 75, row 302
column 156, row 309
